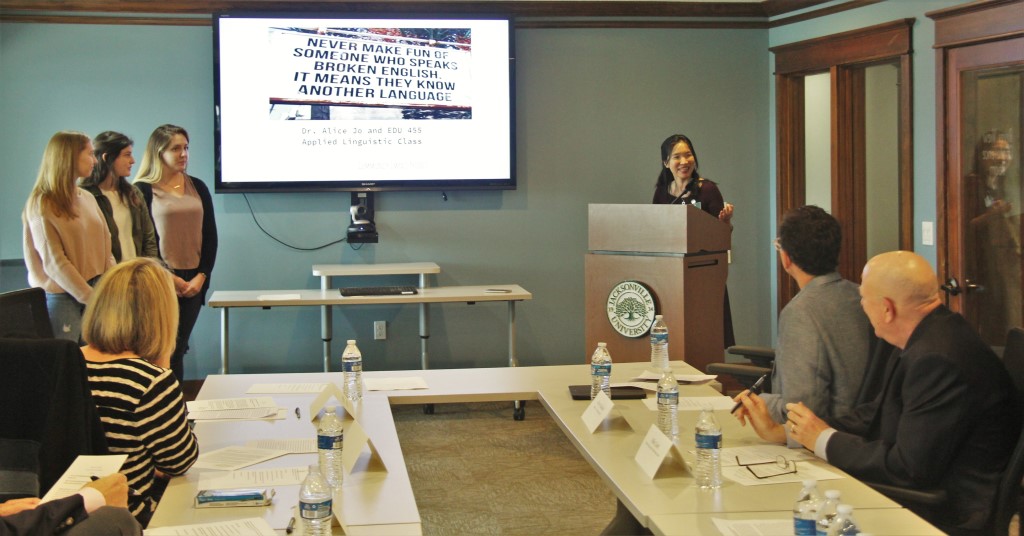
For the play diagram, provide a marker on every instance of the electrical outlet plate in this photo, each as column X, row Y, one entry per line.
column 380, row 330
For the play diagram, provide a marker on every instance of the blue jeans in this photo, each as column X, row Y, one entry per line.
column 65, row 316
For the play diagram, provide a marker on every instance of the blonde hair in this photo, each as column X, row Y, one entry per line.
column 151, row 170
column 54, row 191
column 133, row 309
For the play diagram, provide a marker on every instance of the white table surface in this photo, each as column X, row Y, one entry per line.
column 610, row 450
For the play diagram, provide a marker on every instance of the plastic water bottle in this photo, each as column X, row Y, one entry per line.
column 805, row 511
column 601, row 371
column 330, row 439
column 659, row 344
column 827, row 512
column 352, row 370
column 843, row 524
column 668, row 404
column 709, row 449
column 315, row 501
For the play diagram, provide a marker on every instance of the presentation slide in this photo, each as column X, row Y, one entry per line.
column 365, row 100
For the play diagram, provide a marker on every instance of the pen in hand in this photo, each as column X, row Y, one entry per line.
column 754, row 390
column 132, row 492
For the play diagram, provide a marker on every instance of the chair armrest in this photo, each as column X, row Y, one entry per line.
column 762, row 356
column 912, row 497
column 745, row 374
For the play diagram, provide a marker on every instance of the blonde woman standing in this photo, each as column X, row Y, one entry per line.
column 186, row 231
column 66, row 242
column 130, row 328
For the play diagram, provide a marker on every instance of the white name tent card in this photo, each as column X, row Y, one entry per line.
column 655, row 446
column 223, row 404
column 598, row 410
column 356, row 441
column 328, row 392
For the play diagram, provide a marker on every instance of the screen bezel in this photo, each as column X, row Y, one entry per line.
column 356, row 185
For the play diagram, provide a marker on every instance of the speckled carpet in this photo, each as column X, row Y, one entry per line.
column 474, row 470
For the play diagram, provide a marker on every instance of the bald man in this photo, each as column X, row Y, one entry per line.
column 947, row 415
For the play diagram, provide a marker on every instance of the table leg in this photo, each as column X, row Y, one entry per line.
column 326, row 333
column 224, row 340
column 424, row 335
column 519, row 407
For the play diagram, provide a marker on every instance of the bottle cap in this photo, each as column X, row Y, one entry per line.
column 844, row 509
column 602, row 345
column 658, row 317
column 832, row 494
column 331, row 409
column 810, row 483
column 350, row 341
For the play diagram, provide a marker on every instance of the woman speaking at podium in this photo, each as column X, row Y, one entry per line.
column 680, row 183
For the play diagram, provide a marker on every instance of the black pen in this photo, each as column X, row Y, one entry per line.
column 297, row 414
column 131, row 491
column 754, row 389
column 291, row 526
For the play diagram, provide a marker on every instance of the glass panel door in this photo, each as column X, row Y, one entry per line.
column 990, row 155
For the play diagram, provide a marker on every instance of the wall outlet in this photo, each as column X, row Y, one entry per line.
column 380, row 330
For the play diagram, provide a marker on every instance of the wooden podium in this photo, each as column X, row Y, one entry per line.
column 679, row 254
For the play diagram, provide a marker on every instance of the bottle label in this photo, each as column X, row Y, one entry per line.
column 326, row 442
column 659, row 338
column 804, row 527
column 708, row 441
column 601, row 369
column 352, row 366
column 315, row 510
column 668, row 398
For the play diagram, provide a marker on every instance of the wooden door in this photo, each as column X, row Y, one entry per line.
column 981, row 106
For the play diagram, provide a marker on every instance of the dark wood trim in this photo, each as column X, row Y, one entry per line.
column 790, row 163
column 906, row 155
column 941, row 128
column 528, row 24
column 874, row 43
column 831, row 10
column 84, row 11
column 126, row 21
column 978, row 22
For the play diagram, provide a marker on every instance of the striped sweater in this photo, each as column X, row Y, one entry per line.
column 143, row 416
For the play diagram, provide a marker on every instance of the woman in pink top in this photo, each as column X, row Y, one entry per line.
column 186, row 230
column 66, row 241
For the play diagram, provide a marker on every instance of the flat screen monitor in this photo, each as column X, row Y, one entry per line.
column 322, row 103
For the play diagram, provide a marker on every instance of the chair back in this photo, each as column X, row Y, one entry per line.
column 23, row 314
column 1007, row 496
column 45, row 396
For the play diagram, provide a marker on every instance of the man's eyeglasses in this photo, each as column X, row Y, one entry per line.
column 761, row 469
column 778, row 246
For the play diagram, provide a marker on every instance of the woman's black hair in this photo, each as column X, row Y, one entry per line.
column 665, row 177
column 108, row 146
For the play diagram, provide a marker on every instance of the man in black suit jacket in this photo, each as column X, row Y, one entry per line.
column 947, row 415
column 100, row 508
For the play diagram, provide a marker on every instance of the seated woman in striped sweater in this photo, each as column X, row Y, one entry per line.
column 129, row 328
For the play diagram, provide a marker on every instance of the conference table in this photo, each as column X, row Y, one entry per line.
column 379, row 501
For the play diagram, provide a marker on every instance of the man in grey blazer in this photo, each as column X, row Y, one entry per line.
column 823, row 345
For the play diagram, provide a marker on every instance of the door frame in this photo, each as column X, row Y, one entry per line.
column 844, row 56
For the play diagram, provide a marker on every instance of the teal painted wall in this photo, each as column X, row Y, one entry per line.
column 593, row 107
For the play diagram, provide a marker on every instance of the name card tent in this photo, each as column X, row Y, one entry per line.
column 679, row 253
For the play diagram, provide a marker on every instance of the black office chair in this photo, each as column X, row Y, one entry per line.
column 23, row 314
column 45, row 396
column 760, row 362
column 1008, row 495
